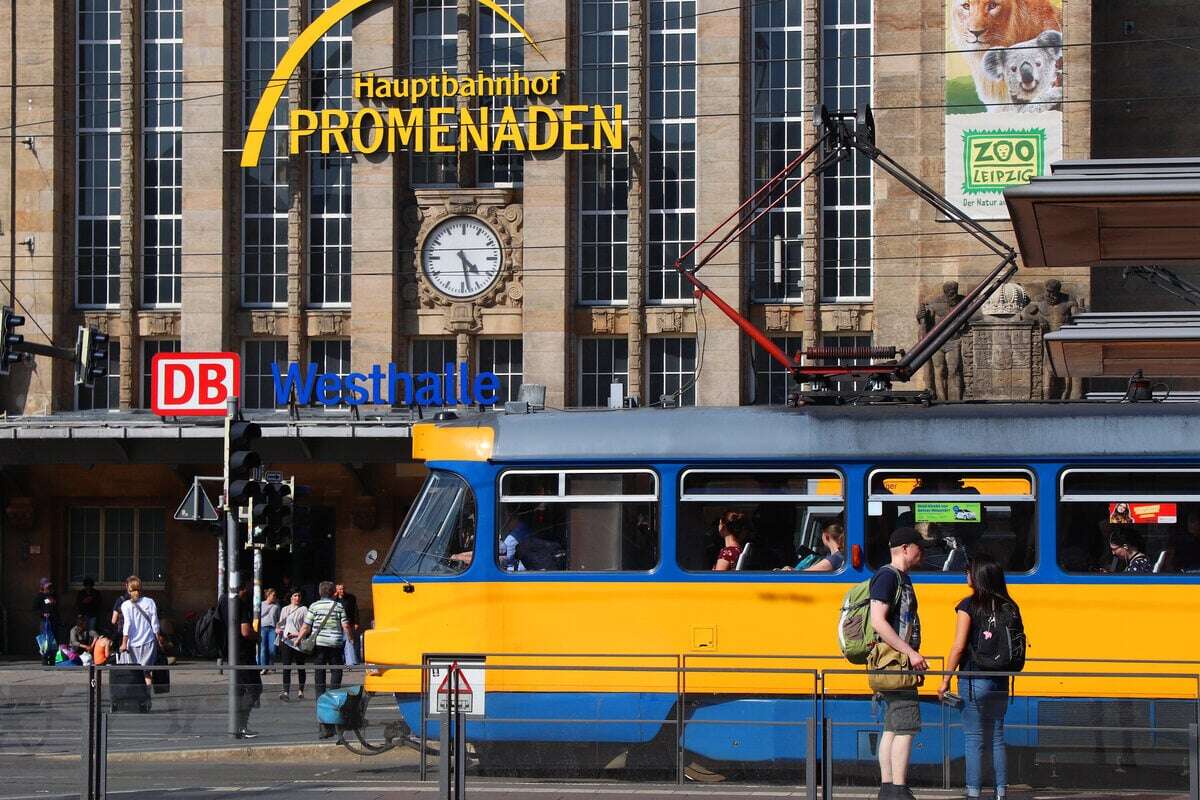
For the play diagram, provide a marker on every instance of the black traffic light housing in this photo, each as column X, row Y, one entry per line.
column 271, row 516
column 242, row 462
column 91, row 356
column 8, row 331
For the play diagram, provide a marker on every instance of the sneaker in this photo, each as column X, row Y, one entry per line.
column 300, row 695
column 284, row 697
column 903, row 793
column 887, row 791
column 246, row 733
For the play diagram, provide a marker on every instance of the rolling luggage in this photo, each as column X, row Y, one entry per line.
column 128, row 691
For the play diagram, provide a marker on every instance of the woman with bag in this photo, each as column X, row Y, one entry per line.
column 141, row 637
column 984, row 698
column 45, row 608
column 287, row 632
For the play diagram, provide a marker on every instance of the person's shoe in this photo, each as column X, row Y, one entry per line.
column 903, row 793
column 284, row 697
column 887, row 791
column 325, row 734
column 246, row 733
column 698, row 773
column 300, row 695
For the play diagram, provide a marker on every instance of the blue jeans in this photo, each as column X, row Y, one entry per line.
column 984, row 703
column 266, row 647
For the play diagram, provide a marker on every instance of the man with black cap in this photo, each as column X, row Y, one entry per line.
column 894, row 617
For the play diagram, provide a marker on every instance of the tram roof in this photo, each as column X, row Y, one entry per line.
column 967, row 430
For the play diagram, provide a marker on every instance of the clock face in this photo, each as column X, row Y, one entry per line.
column 461, row 257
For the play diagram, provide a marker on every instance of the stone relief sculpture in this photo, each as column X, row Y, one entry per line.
column 1053, row 309
column 947, row 363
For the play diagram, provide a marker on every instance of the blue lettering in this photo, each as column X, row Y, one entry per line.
column 395, row 376
column 489, row 383
column 377, row 396
column 430, row 393
column 329, row 389
column 284, row 386
column 357, row 392
column 448, row 381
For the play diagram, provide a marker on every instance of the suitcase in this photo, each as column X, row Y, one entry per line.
column 128, row 691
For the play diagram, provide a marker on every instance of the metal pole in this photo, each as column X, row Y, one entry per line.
column 826, row 758
column 220, row 568
column 460, row 739
column 444, row 754
column 257, row 586
column 102, row 757
column 810, row 759
column 1193, row 762
column 233, row 626
column 87, row 754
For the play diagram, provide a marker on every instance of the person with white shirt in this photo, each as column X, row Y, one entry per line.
column 141, row 637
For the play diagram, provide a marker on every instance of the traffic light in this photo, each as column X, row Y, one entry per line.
column 91, row 356
column 271, row 514
column 8, row 330
column 242, row 462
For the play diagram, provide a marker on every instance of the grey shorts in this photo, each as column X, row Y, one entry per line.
column 903, row 715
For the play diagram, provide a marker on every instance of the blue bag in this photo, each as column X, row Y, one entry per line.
column 341, row 707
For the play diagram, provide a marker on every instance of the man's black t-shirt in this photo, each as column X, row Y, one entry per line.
column 350, row 605
column 902, row 615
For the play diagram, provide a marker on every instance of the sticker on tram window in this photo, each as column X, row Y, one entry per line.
column 1142, row 513
column 948, row 512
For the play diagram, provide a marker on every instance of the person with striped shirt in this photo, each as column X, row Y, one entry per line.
column 326, row 620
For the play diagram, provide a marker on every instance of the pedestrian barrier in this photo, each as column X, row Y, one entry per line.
column 812, row 730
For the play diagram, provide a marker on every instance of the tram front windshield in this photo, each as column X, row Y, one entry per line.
column 438, row 536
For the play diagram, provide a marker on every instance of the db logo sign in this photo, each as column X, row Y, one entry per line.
column 193, row 384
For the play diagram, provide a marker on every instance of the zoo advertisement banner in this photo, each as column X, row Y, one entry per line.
column 1003, row 98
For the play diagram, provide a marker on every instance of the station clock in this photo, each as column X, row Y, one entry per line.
column 461, row 257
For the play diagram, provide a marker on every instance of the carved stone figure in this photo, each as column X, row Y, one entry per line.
column 947, row 383
column 1052, row 310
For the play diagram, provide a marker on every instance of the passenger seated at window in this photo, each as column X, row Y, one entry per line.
column 833, row 536
column 1183, row 549
column 540, row 553
column 516, row 530
column 733, row 531
column 1127, row 547
column 462, row 548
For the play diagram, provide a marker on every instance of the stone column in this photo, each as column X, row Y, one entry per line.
column 212, row 112
column 718, row 192
column 636, row 220
column 375, row 318
column 548, row 258
column 298, row 173
column 131, row 199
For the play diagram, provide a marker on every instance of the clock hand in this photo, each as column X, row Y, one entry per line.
column 467, row 264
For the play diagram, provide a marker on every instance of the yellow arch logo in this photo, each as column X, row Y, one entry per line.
column 299, row 49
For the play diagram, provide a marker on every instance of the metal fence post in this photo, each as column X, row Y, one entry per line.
column 444, row 754
column 945, row 746
column 421, row 771
column 87, row 755
column 680, row 698
column 1193, row 762
column 810, row 762
column 826, row 758
column 102, row 757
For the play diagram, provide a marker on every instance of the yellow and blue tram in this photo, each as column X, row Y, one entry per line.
column 624, row 505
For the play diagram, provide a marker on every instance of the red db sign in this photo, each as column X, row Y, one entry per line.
column 193, row 384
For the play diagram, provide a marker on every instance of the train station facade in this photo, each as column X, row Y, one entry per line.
column 133, row 209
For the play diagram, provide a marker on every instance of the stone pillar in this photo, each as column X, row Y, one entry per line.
column 549, row 256
column 298, row 172
column 375, row 317
column 718, row 192
column 212, row 97
column 636, row 216
column 131, row 196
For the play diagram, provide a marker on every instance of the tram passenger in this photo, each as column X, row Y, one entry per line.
column 1127, row 546
column 1183, row 548
column 984, row 698
column 894, row 618
column 516, row 531
column 733, row 530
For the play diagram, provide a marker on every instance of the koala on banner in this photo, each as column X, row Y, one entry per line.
column 1030, row 71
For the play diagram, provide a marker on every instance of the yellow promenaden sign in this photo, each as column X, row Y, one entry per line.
column 433, row 128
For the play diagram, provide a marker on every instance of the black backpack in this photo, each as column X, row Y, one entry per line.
column 998, row 640
column 210, row 634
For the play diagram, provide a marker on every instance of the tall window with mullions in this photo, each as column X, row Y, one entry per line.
column 162, row 165
column 266, row 194
column 777, row 102
column 98, row 198
column 671, row 124
column 672, row 369
column 434, row 51
column 329, row 221
column 604, row 174
column 846, row 191
column 501, row 50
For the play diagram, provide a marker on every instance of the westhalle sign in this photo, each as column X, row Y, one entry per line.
column 430, row 128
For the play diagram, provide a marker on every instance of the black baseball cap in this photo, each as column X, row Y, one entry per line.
column 903, row 536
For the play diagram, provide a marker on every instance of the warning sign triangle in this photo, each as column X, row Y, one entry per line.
column 463, row 686
column 196, row 507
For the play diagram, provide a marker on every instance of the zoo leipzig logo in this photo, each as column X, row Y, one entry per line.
column 429, row 130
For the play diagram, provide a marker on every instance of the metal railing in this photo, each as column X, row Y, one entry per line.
column 662, row 718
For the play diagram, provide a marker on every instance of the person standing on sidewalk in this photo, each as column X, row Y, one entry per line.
column 894, row 618
column 268, row 618
column 984, row 698
column 350, row 603
column 140, row 634
column 45, row 608
column 287, row 633
column 247, row 682
column 326, row 620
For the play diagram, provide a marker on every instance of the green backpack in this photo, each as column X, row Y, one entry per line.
column 856, row 635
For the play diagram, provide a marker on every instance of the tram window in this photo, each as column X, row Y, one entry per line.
column 960, row 512
column 1158, row 510
column 578, row 520
column 780, row 514
column 438, row 536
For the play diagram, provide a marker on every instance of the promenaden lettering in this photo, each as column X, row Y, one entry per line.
column 386, row 386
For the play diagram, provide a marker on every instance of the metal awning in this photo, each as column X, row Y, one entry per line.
column 137, row 437
column 1117, row 344
column 1111, row 212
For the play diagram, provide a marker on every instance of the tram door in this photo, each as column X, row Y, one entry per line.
column 312, row 558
